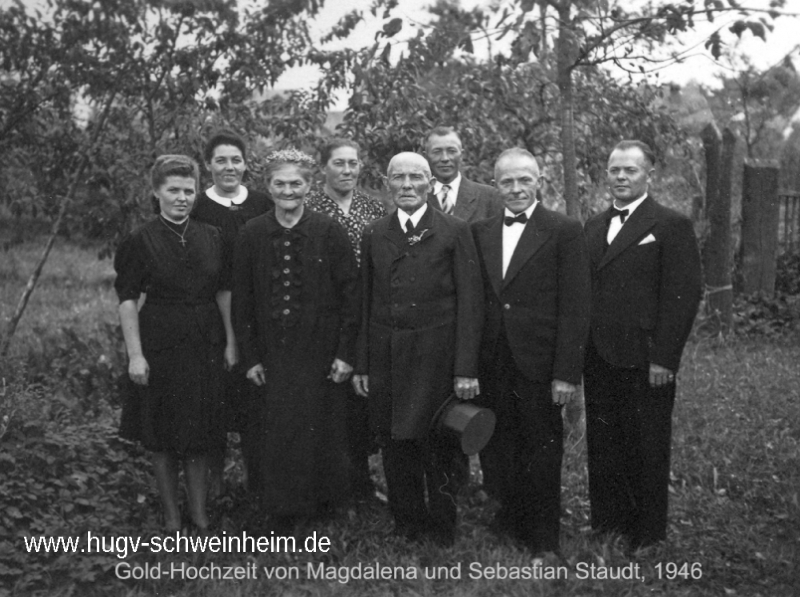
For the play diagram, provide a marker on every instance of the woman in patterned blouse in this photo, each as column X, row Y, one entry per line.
column 341, row 200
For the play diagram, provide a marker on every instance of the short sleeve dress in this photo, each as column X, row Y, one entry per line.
column 182, row 335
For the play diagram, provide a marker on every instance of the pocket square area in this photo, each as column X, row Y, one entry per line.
column 647, row 239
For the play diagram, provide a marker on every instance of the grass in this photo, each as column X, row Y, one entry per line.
column 734, row 511
column 75, row 291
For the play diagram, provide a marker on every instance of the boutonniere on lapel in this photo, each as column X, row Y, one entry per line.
column 413, row 240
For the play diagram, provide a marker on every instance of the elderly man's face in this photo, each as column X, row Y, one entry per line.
column 409, row 182
column 517, row 178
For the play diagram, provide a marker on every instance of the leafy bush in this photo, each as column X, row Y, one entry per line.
column 62, row 482
column 787, row 276
column 761, row 315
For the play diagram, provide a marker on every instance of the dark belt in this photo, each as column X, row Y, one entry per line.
column 177, row 303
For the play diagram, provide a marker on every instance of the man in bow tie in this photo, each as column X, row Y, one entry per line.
column 536, row 292
column 420, row 332
column 451, row 192
column 646, row 287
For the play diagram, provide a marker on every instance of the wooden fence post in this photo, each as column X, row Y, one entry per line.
column 712, row 146
column 717, row 248
column 760, row 215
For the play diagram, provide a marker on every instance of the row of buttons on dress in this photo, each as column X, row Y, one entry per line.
column 282, row 295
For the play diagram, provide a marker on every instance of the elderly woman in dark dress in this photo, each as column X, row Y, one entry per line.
column 296, row 308
column 353, row 209
column 228, row 205
column 179, row 342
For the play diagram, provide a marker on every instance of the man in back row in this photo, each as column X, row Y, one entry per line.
column 453, row 193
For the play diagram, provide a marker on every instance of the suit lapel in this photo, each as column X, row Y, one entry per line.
column 634, row 229
column 533, row 237
column 395, row 233
column 596, row 237
column 426, row 226
column 465, row 200
column 492, row 246
column 433, row 201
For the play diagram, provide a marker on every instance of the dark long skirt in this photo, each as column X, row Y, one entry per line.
column 297, row 438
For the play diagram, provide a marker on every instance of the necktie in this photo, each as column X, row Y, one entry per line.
column 445, row 200
column 622, row 213
column 518, row 219
column 410, row 227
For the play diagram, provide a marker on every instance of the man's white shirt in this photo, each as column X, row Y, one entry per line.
column 454, row 185
column 615, row 225
column 512, row 234
column 415, row 217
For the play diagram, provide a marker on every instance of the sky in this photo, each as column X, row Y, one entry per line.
column 698, row 66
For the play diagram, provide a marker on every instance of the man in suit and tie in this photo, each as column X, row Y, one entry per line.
column 536, row 291
column 452, row 193
column 646, row 287
column 419, row 340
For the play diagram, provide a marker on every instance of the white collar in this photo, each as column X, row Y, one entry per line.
column 528, row 212
column 454, row 185
column 228, row 201
column 415, row 217
column 631, row 207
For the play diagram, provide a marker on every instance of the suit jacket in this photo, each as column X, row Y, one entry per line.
column 474, row 202
column 542, row 304
column 646, row 286
column 422, row 315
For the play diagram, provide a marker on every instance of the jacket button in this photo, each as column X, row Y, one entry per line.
column 506, row 306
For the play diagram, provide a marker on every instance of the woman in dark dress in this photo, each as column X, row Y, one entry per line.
column 353, row 209
column 296, row 306
column 179, row 342
column 228, row 205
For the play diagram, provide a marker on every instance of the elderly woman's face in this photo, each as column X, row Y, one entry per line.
column 342, row 170
column 288, row 187
column 176, row 197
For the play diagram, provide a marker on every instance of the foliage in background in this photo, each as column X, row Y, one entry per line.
column 758, row 105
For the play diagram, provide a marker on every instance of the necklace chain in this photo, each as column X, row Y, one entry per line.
column 175, row 232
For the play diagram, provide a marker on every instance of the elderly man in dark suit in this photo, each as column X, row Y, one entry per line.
column 453, row 193
column 419, row 342
column 535, row 270
column 646, row 287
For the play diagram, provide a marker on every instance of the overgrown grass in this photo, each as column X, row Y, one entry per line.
column 734, row 495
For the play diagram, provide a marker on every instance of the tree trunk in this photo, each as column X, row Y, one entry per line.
column 760, row 215
column 717, row 248
column 65, row 201
column 565, row 50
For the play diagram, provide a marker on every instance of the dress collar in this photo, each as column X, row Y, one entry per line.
column 228, row 201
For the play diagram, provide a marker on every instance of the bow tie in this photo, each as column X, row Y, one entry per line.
column 622, row 213
column 519, row 219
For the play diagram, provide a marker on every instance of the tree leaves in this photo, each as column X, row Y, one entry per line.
column 755, row 27
column 393, row 27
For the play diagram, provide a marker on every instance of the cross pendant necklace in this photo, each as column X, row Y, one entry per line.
column 178, row 234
